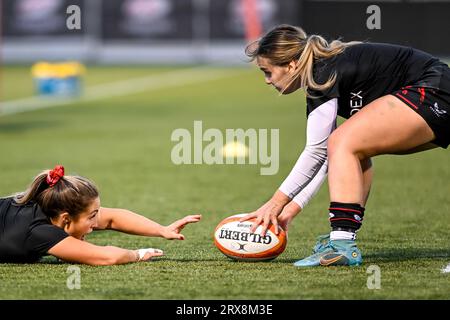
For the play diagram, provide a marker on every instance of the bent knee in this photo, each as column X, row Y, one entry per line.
column 344, row 142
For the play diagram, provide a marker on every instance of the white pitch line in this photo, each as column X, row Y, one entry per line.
column 119, row 88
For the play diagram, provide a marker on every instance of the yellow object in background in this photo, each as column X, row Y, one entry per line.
column 58, row 79
column 235, row 150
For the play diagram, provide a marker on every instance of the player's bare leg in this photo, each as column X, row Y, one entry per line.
column 385, row 126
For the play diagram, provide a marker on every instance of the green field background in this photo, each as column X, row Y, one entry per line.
column 123, row 144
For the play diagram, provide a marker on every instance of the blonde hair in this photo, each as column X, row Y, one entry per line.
column 72, row 194
column 286, row 43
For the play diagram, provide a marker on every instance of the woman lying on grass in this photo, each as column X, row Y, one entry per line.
column 55, row 214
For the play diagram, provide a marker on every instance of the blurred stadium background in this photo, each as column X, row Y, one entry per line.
column 152, row 66
column 199, row 31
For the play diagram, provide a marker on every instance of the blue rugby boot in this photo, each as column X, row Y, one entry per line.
column 322, row 243
column 336, row 253
column 314, row 259
column 346, row 253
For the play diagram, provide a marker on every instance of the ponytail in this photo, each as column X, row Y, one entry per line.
column 56, row 193
column 316, row 47
column 287, row 43
column 38, row 185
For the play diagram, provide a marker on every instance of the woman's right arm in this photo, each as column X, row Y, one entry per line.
column 321, row 123
column 293, row 208
column 73, row 250
column 310, row 164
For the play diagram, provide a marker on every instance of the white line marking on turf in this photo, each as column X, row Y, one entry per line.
column 119, row 88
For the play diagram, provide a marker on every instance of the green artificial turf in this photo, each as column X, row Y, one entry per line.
column 124, row 145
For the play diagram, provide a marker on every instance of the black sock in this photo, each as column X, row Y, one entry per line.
column 346, row 216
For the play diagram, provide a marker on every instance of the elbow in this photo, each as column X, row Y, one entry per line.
column 319, row 153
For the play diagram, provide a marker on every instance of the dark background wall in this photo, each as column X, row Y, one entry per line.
column 424, row 25
column 199, row 31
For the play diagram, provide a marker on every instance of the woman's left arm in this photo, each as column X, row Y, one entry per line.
column 129, row 222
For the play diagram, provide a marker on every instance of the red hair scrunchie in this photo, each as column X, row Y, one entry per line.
column 54, row 175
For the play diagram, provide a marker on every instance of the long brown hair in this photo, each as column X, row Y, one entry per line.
column 286, row 43
column 72, row 194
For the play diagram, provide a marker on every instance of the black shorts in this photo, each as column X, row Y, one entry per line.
column 431, row 104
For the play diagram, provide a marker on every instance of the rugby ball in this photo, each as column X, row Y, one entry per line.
column 234, row 239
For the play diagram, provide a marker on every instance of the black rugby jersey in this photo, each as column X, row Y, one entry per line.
column 368, row 71
column 365, row 72
column 26, row 234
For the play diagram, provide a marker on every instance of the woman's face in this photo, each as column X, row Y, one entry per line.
column 275, row 75
column 85, row 222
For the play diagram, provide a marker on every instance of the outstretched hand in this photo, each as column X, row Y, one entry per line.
column 148, row 253
column 173, row 230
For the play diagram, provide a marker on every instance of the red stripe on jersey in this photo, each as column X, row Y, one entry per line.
column 422, row 94
column 406, row 100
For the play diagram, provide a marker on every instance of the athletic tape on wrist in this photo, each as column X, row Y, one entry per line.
column 142, row 252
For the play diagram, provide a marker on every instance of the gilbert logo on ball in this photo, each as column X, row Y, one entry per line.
column 234, row 239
